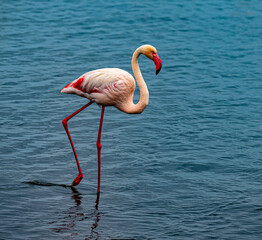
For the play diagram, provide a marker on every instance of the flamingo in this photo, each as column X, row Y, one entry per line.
column 111, row 87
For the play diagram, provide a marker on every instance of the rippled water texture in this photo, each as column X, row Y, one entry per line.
column 189, row 167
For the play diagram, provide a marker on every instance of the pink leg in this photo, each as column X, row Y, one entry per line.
column 80, row 175
column 99, row 146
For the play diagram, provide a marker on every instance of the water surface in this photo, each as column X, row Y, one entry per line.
column 188, row 167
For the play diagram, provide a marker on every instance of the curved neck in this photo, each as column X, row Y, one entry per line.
column 144, row 95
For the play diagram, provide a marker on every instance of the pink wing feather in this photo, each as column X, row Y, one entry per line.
column 102, row 86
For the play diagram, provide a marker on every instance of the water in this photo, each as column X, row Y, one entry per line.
column 188, row 167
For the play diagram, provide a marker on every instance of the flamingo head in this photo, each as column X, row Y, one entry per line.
column 150, row 52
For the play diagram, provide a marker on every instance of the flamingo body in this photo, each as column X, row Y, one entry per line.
column 111, row 87
column 106, row 86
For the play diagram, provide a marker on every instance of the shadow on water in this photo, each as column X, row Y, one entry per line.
column 69, row 219
column 48, row 184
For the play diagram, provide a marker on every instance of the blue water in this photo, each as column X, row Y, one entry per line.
column 189, row 167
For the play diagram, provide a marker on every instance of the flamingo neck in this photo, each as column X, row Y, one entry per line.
column 144, row 94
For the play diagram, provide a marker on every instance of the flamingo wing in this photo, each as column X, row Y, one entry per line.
column 103, row 86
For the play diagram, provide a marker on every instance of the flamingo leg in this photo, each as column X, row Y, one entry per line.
column 80, row 174
column 99, row 146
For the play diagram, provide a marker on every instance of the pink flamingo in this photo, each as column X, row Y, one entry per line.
column 111, row 87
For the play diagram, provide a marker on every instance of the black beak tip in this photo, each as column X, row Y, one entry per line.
column 158, row 70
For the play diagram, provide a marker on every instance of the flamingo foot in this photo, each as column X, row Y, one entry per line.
column 77, row 179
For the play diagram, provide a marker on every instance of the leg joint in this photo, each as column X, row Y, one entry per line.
column 64, row 122
column 99, row 145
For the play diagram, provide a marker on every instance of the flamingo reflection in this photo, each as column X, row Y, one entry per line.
column 69, row 220
column 76, row 214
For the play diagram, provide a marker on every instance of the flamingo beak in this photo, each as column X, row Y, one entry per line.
column 157, row 62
